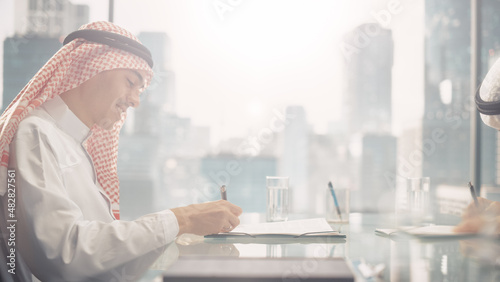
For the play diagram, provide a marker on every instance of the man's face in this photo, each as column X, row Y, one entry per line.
column 109, row 94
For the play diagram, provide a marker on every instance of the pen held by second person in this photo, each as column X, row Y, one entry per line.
column 223, row 192
column 481, row 218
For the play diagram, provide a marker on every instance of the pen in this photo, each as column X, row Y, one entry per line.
column 330, row 186
column 473, row 194
column 223, row 192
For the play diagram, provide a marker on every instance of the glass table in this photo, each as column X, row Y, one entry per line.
column 371, row 257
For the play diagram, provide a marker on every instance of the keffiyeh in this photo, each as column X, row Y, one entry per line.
column 73, row 64
column 490, row 92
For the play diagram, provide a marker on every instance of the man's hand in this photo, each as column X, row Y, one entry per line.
column 207, row 218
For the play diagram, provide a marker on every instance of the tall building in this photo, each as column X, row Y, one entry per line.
column 22, row 58
column 368, row 81
column 38, row 27
column 448, row 97
column 51, row 18
column 368, row 95
column 377, row 161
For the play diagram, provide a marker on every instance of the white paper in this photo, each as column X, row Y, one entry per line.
column 424, row 231
column 292, row 227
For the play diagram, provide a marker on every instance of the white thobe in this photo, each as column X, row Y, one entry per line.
column 65, row 227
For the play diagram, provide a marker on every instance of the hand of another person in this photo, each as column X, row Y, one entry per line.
column 485, row 217
column 472, row 210
column 207, row 218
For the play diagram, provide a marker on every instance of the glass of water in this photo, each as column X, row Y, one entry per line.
column 277, row 198
column 415, row 209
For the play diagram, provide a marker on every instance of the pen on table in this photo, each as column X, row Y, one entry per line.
column 223, row 194
column 330, row 186
column 473, row 194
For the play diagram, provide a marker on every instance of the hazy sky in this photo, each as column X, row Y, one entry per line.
column 234, row 66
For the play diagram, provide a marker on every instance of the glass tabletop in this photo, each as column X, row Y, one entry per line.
column 371, row 257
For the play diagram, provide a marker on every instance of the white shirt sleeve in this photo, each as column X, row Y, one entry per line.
column 56, row 239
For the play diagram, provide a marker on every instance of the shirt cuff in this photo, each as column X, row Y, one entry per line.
column 170, row 225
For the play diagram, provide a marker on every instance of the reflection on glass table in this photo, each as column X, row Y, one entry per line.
column 372, row 257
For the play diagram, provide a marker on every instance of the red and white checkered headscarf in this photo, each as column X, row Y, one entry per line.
column 73, row 64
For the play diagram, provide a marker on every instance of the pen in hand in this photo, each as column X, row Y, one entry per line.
column 223, row 194
column 330, row 186
column 473, row 194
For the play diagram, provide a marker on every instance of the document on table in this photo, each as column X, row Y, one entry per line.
column 430, row 231
column 305, row 228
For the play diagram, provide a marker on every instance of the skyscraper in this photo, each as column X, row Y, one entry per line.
column 377, row 161
column 369, row 78
column 50, row 18
column 22, row 58
column 448, row 98
column 368, row 96
column 38, row 27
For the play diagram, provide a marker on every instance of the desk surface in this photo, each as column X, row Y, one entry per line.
column 401, row 260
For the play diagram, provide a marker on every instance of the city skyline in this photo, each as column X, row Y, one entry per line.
column 277, row 134
column 247, row 68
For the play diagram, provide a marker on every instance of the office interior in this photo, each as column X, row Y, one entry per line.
column 365, row 94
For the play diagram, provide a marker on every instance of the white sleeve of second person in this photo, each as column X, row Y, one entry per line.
column 53, row 236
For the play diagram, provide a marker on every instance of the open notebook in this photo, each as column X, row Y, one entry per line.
column 424, row 232
column 305, row 228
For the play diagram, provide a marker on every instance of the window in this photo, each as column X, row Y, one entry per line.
column 361, row 93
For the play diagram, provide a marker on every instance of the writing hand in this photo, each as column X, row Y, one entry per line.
column 484, row 218
column 472, row 210
column 207, row 218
